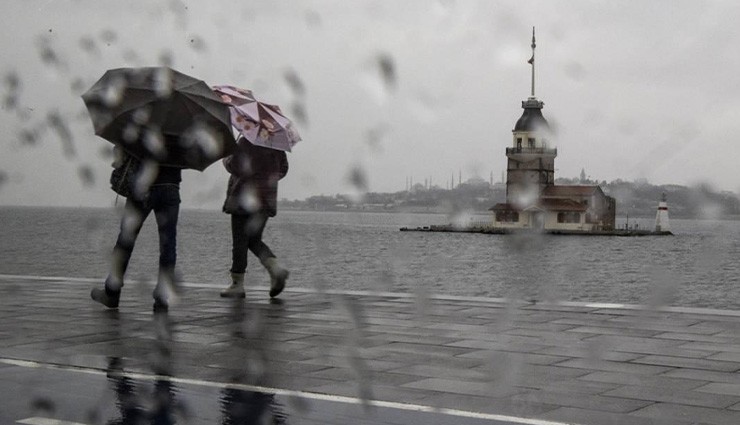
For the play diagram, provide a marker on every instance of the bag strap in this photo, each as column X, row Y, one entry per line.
column 129, row 160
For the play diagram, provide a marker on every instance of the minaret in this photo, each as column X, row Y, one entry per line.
column 531, row 161
column 661, row 217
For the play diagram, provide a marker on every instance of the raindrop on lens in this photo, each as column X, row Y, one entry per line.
column 131, row 133
column 295, row 83
column 163, row 82
column 113, row 93
column 387, row 70
column 154, row 143
column 108, row 36
column 197, row 44
column 141, row 116
column 86, row 175
column 87, row 44
column 358, row 179
column 43, row 404
column 248, row 200
column 167, row 58
column 205, row 139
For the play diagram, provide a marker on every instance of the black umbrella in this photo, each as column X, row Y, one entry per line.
column 160, row 114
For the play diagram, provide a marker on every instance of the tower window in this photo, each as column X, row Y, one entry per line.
column 530, row 141
column 518, row 142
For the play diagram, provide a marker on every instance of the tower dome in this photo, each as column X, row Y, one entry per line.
column 532, row 119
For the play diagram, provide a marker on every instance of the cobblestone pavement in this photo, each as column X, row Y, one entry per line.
column 487, row 358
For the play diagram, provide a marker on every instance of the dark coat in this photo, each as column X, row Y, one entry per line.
column 253, row 184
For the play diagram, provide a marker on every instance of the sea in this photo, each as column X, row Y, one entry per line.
column 366, row 251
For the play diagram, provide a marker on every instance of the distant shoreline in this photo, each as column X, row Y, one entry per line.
column 429, row 211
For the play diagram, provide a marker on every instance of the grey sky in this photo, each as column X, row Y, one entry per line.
column 635, row 89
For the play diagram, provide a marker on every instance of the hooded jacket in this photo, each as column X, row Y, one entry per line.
column 253, row 184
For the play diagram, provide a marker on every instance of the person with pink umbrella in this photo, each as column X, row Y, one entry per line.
column 256, row 166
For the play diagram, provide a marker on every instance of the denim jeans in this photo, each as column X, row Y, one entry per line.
column 246, row 234
column 164, row 200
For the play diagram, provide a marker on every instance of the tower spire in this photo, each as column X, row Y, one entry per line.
column 531, row 61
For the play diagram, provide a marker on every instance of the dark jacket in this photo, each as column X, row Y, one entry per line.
column 253, row 184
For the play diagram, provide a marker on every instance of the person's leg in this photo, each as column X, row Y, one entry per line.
column 166, row 203
column 278, row 275
column 239, row 248
column 254, row 227
column 134, row 215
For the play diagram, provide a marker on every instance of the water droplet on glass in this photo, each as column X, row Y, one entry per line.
column 167, row 58
column 163, row 82
column 197, row 44
column 145, row 177
column 108, row 36
column 59, row 125
column 294, row 82
column 77, row 86
column 112, row 93
column 88, row 44
column 87, row 175
column 380, row 77
column 298, row 112
column 153, row 141
column 141, row 116
column 313, row 19
column 357, row 178
column 387, row 68
column 12, row 85
column 28, row 137
column 131, row 133
column 207, row 142
column 375, row 137
column 130, row 56
column 249, row 200
column 46, row 52
column 43, row 404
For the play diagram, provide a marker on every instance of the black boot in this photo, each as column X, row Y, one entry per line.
column 106, row 297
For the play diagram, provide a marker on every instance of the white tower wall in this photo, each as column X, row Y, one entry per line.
column 661, row 217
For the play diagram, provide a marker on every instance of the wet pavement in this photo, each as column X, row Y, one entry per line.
column 332, row 358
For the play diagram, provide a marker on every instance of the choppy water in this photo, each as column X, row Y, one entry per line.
column 366, row 251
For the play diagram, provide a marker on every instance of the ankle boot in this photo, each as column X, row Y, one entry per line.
column 106, row 297
column 278, row 276
column 165, row 290
column 236, row 289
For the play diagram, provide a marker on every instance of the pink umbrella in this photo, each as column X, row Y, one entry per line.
column 260, row 123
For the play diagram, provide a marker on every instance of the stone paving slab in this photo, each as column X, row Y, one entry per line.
column 573, row 363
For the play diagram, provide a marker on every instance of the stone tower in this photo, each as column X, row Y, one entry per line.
column 531, row 160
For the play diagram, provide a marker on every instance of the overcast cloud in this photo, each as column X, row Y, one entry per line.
column 386, row 90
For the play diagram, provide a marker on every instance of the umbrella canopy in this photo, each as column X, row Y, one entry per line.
column 159, row 114
column 260, row 123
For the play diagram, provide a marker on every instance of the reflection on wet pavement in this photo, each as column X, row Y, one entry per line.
column 138, row 384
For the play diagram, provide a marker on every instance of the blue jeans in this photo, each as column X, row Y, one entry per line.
column 164, row 200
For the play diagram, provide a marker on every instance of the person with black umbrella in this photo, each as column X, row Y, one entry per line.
column 156, row 188
column 162, row 121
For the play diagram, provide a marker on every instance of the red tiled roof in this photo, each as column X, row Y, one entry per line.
column 574, row 190
column 504, row 207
